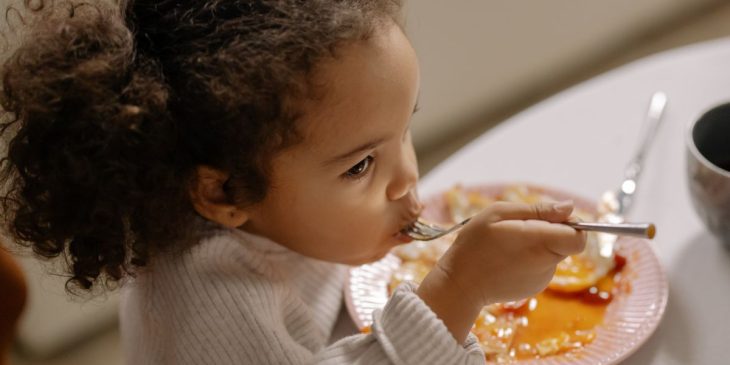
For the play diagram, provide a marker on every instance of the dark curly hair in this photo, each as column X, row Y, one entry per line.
column 109, row 111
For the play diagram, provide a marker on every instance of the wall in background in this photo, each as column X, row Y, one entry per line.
column 479, row 57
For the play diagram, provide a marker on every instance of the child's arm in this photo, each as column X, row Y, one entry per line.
column 406, row 331
column 507, row 252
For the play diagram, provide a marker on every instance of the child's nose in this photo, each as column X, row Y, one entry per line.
column 405, row 176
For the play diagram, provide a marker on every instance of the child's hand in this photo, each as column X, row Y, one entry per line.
column 510, row 251
column 507, row 252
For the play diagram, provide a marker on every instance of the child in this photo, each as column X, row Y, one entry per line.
column 229, row 160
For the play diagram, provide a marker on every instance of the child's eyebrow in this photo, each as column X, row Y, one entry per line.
column 364, row 147
column 348, row 155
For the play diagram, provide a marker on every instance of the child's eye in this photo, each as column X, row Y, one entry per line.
column 360, row 169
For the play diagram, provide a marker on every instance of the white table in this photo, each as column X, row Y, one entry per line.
column 581, row 139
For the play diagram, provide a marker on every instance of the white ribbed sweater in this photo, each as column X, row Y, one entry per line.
column 237, row 298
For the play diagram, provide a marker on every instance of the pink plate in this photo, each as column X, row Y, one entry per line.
column 629, row 320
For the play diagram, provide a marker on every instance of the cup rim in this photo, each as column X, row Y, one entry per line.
column 689, row 141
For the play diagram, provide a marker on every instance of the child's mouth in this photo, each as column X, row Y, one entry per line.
column 402, row 235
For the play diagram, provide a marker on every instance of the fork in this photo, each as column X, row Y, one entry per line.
column 614, row 204
column 423, row 231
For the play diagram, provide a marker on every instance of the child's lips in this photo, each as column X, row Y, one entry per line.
column 402, row 237
column 411, row 215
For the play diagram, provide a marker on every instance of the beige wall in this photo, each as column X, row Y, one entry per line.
column 479, row 55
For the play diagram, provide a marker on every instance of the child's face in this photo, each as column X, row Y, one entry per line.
column 344, row 193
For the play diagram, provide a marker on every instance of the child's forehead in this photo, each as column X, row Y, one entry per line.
column 361, row 89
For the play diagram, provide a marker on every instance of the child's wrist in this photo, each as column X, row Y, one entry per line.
column 450, row 301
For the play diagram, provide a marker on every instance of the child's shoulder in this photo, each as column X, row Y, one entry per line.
column 222, row 253
column 227, row 267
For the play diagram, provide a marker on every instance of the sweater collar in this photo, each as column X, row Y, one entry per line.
column 259, row 244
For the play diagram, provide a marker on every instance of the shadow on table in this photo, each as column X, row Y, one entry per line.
column 697, row 317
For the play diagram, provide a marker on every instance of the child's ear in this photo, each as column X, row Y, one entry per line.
column 210, row 200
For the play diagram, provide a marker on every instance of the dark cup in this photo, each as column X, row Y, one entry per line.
column 708, row 169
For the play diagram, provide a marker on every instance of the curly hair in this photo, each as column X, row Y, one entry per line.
column 109, row 111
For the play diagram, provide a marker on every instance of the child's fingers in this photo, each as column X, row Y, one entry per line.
column 560, row 239
column 547, row 211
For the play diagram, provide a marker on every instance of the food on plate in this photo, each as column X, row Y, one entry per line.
column 560, row 319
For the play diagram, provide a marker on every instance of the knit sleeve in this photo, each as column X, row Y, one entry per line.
column 406, row 331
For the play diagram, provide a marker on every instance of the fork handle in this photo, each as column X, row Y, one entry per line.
column 653, row 118
column 643, row 230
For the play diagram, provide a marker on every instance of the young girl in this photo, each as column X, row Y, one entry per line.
column 229, row 160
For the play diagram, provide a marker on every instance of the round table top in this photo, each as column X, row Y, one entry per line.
column 580, row 141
